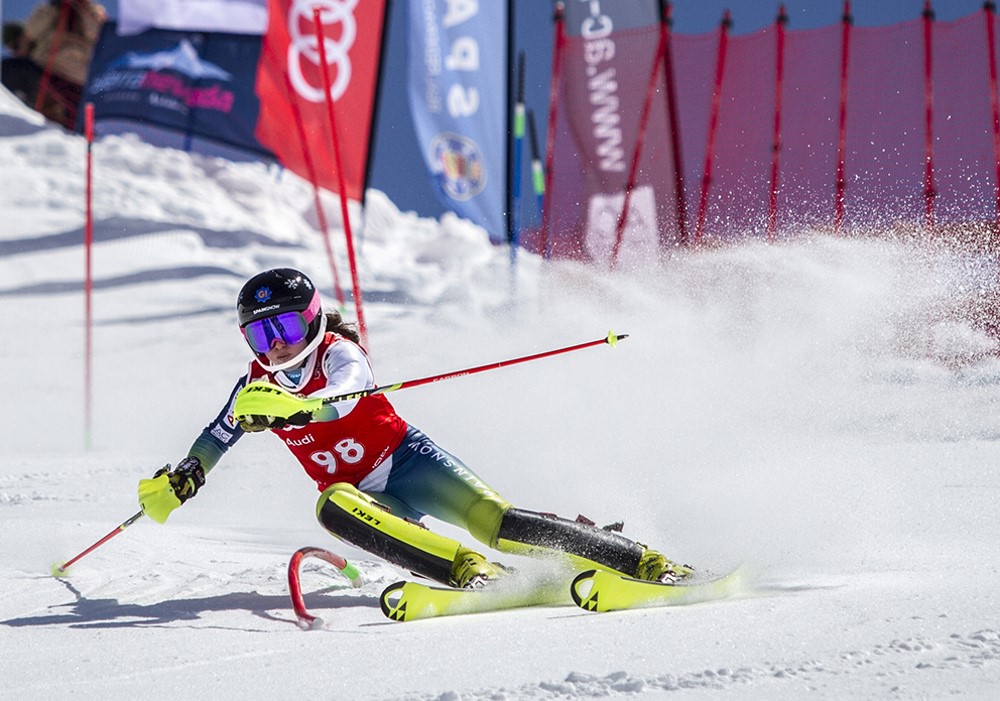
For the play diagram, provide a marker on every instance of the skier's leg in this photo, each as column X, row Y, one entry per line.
column 450, row 491
column 428, row 480
column 358, row 519
column 528, row 532
column 525, row 532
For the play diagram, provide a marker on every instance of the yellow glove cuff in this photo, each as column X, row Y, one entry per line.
column 157, row 498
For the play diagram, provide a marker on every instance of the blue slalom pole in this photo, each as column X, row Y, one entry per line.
column 515, row 232
column 537, row 174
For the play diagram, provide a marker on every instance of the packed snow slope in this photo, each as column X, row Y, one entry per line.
column 823, row 410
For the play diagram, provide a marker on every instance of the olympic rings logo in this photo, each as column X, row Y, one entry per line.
column 304, row 47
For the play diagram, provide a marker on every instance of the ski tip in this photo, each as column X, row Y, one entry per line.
column 581, row 588
column 391, row 602
column 59, row 569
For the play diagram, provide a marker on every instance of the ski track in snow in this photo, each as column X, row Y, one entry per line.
column 896, row 660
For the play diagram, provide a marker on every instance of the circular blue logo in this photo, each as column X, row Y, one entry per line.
column 262, row 294
column 458, row 161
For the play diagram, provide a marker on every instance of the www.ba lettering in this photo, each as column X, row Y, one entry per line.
column 425, row 449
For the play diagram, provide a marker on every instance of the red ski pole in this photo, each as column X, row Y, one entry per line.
column 611, row 339
column 59, row 569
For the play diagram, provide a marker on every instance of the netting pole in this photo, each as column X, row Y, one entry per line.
column 713, row 124
column 558, row 47
column 680, row 201
column 779, row 83
column 989, row 13
column 845, row 50
column 640, row 141
column 929, row 189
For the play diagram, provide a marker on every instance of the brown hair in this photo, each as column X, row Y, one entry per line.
column 335, row 323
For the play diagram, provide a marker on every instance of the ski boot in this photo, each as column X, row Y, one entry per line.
column 655, row 567
column 470, row 570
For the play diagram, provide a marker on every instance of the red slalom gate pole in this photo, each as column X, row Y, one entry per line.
column 611, row 339
column 321, row 44
column 317, row 202
column 88, row 280
column 306, row 619
column 59, row 569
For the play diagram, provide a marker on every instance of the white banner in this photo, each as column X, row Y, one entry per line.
column 229, row 16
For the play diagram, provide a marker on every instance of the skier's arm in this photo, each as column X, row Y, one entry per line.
column 219, row 436
column 261, row 405
column 168, row 488
column 347, row 370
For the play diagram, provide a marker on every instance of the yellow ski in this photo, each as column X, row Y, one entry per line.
column 413, row 601
column 600, row 590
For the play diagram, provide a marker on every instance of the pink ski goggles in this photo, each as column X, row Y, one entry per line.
column 289, row 328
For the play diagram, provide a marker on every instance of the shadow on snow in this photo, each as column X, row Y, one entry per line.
column 121, row 228
column 87, row 613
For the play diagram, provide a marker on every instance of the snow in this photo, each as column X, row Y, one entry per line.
column 823, row 410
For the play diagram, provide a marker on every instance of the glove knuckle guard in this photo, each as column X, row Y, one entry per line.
column 262, row 399
column 167, row 490
column 157, row 498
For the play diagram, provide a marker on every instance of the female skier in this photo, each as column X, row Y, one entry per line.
column 378, row 475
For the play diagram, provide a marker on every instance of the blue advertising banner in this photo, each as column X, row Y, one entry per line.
column 197, row 84
column 458, row 98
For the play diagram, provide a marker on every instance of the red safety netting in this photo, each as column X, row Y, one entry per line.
column 964, row 160
column 873, row 128
column 810, row 130
column 736, row 192
column 884, row 158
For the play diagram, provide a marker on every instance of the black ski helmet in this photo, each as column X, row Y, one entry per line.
column 278, row 291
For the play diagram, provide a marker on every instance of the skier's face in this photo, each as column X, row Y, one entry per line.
column 282, row 352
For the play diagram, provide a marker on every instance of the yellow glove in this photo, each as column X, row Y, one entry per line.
column 167, row 490
column 157, row 498
column 261, row 405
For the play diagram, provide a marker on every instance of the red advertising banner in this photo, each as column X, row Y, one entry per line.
column 291, row 88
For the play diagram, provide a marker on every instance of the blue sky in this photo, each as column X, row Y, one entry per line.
column 394, row 133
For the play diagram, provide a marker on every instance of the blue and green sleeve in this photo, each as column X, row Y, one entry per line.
column 220, row 435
